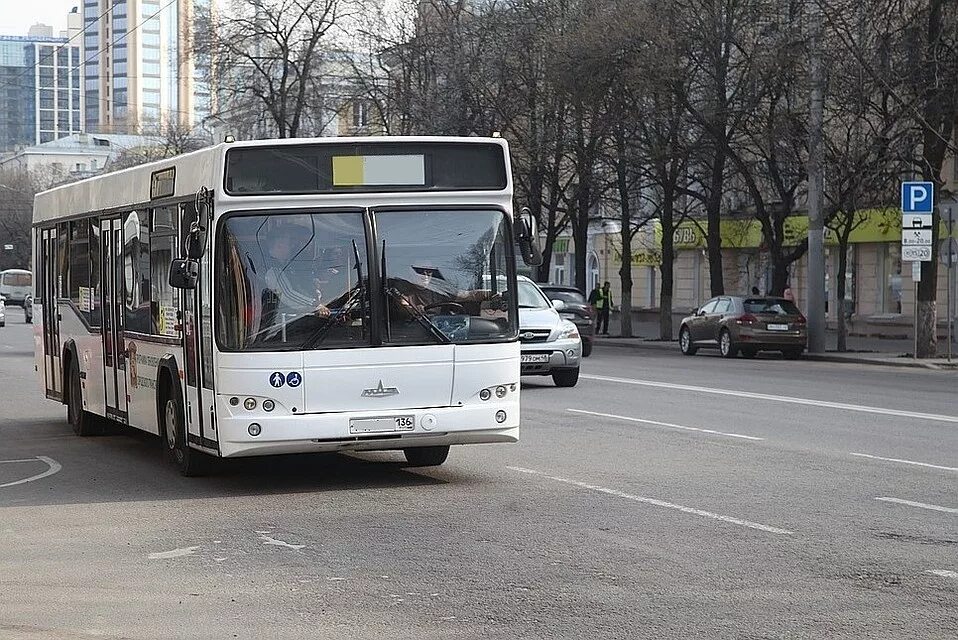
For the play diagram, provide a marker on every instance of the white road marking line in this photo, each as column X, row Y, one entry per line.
column 772, row 398
column 663, row 424
column 22, row 460
column 279, row 543
column 911, row 462
column 54, row 467
column 944, row 573
column 175, row 553
column 920, row 505
column 657, row 503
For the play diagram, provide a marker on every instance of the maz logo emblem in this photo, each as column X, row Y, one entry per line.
column 380, row 391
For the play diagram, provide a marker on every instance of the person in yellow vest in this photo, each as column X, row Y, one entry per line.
column 601, row 301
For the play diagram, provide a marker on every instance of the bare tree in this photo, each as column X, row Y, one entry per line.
column 17, row 190
column 265, row 55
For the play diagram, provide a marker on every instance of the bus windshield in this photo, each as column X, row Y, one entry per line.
column 293, row 281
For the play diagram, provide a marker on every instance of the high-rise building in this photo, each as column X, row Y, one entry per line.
column 41, row 93
column 139, row 69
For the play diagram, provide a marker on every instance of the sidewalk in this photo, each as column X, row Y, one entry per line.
column 861, row 350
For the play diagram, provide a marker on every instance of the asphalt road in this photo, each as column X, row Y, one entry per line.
column 663, row 497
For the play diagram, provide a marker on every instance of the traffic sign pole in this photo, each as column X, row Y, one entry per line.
column 917, row 232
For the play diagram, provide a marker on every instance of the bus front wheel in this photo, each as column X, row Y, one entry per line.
column 190, row 462
column 426, row 456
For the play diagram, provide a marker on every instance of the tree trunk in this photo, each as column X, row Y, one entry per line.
column 779, row 275
column 625, row 208
column 668, row 266
column 840, row 291
column 927, row 326
column 714, row 214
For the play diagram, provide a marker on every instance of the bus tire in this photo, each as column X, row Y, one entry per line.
column 188, row 461
column 426, row 456
column 83, row 422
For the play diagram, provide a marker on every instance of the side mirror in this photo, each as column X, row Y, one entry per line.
column 184, row 273
column 558, row 305
column 527, row 236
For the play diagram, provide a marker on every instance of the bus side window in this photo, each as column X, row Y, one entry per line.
column 162, row 252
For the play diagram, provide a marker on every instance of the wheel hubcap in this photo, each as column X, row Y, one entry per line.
column 725, row 343
column 171, row 424
column 685, row 340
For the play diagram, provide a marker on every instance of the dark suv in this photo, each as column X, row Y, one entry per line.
column 746, row 325
column 575, row 308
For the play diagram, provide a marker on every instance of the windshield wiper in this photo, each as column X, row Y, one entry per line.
column 356, row 296
column 420, row 317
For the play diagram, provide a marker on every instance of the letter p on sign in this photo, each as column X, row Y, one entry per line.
column 917, row 197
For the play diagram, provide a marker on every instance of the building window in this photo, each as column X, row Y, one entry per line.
column 360, row 113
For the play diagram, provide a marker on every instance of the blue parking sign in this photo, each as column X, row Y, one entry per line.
column 917, row 197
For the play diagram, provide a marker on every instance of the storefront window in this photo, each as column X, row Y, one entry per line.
column 891, row 270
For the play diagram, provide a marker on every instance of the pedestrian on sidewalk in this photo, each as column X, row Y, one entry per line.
column 601, row 301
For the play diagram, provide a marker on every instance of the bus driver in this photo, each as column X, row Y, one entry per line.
column 289, row 293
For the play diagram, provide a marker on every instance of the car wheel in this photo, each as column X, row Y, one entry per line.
column 726, row 347
column 566, row 377
column 190, row 462
column 426, row 456
column 685, row 342
column 792, row 354
column 83, row 422
column 586, row 348
column 749, row 353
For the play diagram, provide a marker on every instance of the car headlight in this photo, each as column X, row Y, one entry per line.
column 568, row 330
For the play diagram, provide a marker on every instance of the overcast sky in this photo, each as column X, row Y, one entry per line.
column 16, row 16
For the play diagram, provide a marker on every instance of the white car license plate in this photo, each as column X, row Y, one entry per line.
column 534, row 357
column 778, row 327
column 382, row 425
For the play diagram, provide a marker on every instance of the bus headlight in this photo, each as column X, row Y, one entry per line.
column 268, row 405
column 255, row 429
column 501, row 391
column 250, row 404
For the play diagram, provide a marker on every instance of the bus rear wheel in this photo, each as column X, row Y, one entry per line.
column 190, row 462
column 426, row 456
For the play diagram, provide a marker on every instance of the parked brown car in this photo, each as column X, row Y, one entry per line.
column 746, row 325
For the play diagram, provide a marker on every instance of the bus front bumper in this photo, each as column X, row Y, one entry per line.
column 324, row 432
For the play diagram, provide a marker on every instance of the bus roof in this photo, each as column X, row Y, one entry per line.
column 203, row 168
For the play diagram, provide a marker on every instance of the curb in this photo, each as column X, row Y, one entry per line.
column 903, row 363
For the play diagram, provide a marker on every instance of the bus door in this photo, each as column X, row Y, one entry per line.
column 49, row 276
column 112, row 303
column 197, row 351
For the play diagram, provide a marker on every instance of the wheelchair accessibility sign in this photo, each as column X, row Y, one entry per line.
column 277, row 379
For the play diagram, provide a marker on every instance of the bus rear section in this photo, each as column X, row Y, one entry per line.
column 15, row 286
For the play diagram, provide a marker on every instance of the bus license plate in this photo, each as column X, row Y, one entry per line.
column 534, row 357
column 382, row 425
column 778, row 327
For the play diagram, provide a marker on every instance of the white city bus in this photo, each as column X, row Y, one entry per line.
column 285, row 296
